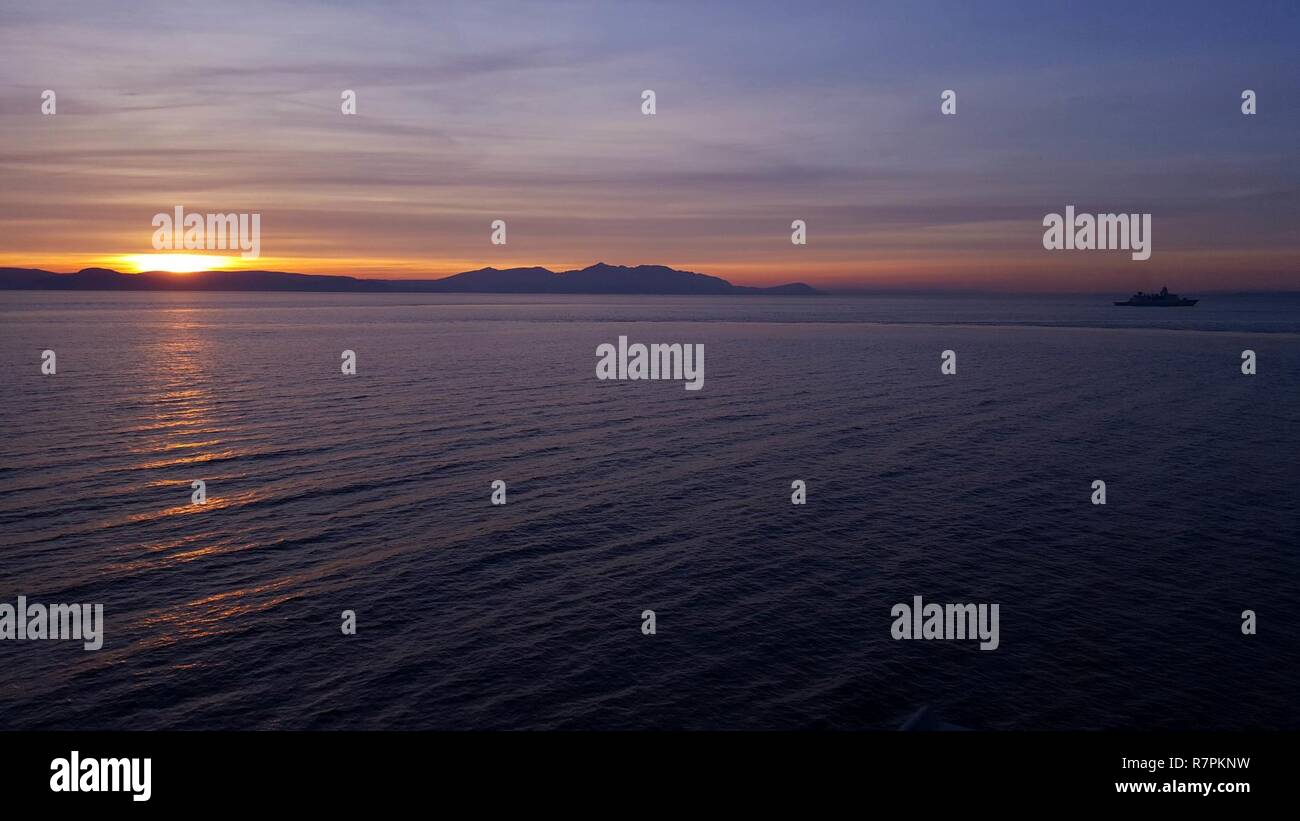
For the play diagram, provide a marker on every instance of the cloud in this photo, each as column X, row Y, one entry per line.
column 468, row 111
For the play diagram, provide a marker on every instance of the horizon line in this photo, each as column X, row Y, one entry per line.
column 848, row 290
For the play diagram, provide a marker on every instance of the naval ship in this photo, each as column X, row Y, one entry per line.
column 1164, row 299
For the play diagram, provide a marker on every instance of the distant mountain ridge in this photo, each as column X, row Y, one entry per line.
column 594, row 279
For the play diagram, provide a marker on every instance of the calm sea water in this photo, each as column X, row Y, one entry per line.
column 371, row 493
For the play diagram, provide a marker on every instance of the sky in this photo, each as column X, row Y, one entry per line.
column 530, row 112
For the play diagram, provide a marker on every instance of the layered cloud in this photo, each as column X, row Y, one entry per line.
column 530, row 113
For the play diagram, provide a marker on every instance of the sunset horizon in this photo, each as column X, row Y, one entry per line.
column 1115, row 280
column 627, row 391
column 377, row 156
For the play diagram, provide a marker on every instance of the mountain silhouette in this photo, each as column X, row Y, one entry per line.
column 600, row 278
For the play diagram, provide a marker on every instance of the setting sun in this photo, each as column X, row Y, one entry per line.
column 176, row 263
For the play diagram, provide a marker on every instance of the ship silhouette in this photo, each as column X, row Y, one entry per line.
column 1164, row 299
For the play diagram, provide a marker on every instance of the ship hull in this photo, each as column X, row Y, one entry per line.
column 1182, row 303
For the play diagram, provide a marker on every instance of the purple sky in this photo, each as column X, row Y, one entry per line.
column 766, row 113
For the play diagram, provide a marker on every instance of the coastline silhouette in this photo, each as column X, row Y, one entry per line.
column 600, row 278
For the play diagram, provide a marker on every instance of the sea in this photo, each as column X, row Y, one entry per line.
column 371, row 493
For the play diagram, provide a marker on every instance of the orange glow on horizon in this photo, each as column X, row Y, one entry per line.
column 1020, row 271
column 175, row 263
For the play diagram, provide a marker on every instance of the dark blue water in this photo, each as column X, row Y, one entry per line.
column 371, row 493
